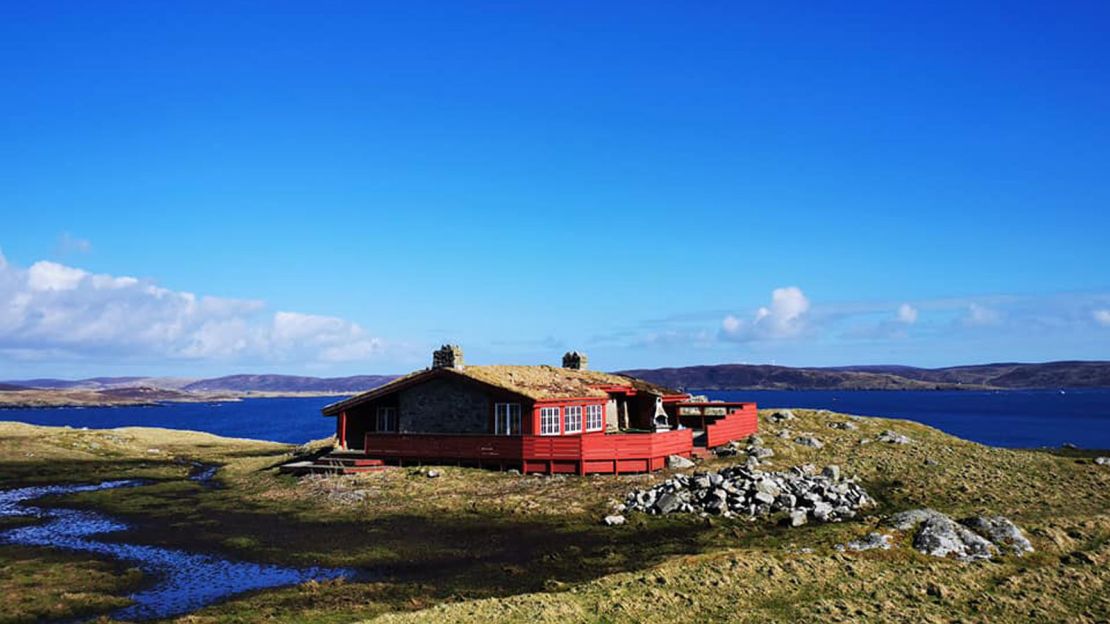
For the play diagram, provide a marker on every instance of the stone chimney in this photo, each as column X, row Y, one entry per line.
column 448, row 356
column 575, row 360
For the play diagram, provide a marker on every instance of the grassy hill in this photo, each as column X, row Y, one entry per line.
column 479, row 546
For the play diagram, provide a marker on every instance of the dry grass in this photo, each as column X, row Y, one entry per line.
column 479, row 546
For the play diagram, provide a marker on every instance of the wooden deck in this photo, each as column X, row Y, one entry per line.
column 579, row 454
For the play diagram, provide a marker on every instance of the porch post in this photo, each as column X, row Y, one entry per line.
column 343, row 429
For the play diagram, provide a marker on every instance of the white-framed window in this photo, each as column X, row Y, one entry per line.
column 387, row 419
column 595, row 421
column 549, row 420
column 572, row 419
column 506, row 418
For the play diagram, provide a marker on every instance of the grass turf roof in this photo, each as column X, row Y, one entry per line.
column 534, row 382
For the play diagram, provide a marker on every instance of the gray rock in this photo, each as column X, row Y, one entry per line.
column 614, row 520
column 891, row 437
column 752, row 463
column 809, row 441
column 846, row 426
column 822, row 511
column 764, row 497
column 678, row 462
column 432, row 474
column 1001, row 532
column 667, row 503
column 832, row 471
column 797, row 517
column 940, row 536
column 760, row 452
column 782, row 416
column 1102, row 461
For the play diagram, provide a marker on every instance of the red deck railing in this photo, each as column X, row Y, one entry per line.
column 598, row 452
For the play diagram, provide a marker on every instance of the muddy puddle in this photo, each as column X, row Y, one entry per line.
column 182, row 582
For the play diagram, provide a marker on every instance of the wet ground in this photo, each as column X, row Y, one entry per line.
column 183, row 581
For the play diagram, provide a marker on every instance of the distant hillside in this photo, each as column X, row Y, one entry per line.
column 103, row 383
column 766, row 377
column 1006, row 375
column 984, row 376
column 11, row 387
column 288, row 383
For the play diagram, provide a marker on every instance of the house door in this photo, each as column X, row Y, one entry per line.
column 506, row 418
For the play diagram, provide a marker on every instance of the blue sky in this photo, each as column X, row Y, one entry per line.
column 338, row 188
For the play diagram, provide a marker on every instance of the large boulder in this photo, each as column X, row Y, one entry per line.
column 1001, row 532
column 971, row 539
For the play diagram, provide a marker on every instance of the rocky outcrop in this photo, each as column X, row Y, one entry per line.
column 1001, row 532
column 972, row 539
column 737, row 490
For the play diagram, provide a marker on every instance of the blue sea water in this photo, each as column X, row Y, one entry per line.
column 1018, row 418
column 1013, row 418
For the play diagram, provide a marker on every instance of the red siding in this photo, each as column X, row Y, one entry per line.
column 740, row 423
column 624, row 452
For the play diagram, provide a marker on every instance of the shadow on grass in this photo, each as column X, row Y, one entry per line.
column 39, row 472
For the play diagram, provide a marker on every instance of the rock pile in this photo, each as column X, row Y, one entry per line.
column 971, row 539
column 739, row 490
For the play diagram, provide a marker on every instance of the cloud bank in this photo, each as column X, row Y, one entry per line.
column 784, row 318
column 52, row 310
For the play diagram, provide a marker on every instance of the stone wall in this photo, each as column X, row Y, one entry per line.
column 443, row 406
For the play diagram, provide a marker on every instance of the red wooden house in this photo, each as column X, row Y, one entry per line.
column 532, row 418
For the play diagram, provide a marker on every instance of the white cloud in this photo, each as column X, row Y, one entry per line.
column 53, row 276
column 907, row 314
column 784, row 318
column 52, row 308
column 1102, row 317
column 979, row 315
